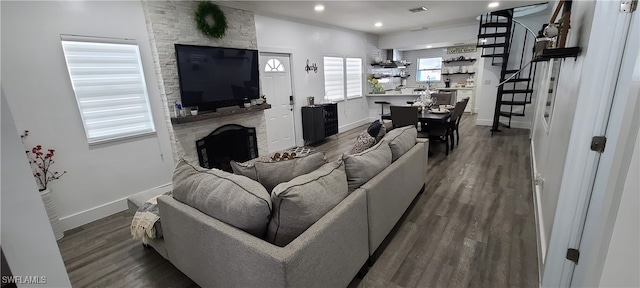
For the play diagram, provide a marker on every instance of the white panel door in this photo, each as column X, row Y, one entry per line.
column 275, row 77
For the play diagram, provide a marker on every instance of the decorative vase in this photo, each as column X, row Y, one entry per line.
column 54, row 220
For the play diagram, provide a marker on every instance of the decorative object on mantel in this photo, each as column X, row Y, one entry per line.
column 313, row 67
column 41, row 167
column 219, row 26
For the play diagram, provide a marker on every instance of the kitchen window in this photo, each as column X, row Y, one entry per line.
column 342, row 76
column 429, row 69
column 109, row 85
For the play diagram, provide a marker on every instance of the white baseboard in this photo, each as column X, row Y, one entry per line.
column 537, row 209
column 354, row 125
column 514, row 124
column 99, row 212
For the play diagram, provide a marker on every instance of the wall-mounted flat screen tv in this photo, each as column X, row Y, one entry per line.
column 214, row 77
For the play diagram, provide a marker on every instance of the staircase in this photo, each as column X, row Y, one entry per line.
column 495, row 37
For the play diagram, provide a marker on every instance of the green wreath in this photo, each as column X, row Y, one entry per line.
column 219, row 27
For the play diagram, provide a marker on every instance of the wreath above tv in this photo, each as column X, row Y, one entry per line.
column 219, row 26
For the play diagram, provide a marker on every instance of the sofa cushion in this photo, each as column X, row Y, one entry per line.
column 401, row 140
column 363, row 142
column 270, row 174
column 233, row 199
column 365, row 165
column 299, row 203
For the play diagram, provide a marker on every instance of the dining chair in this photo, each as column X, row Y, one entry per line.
column 404, row 116
column 454, row 120
column 456, row 124
column 442, row 98
column 444, row 131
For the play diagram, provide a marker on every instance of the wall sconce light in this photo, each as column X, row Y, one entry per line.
column 313, row 67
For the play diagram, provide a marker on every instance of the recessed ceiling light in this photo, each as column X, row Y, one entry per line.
column 319, row 8
column 429, row 46
column 494, row 4
column 378, row 24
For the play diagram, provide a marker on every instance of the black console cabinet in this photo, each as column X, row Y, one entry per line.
column 319, row 121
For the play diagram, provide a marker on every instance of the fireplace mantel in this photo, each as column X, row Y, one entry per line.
column 222, row 112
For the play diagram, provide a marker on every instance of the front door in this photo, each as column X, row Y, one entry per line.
column 275, row 78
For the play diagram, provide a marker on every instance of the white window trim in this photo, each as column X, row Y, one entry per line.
column 418, row 70
column 360, row 80
column 143, row 128
column 345, row 82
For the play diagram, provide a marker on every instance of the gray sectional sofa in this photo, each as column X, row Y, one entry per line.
column 328, row 254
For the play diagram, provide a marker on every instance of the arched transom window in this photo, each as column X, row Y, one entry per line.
column 274, row 65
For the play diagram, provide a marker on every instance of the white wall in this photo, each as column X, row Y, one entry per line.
column 304, row 42
column 622, row 262
column 41, row 98
column 551, row 143
column 27, row 238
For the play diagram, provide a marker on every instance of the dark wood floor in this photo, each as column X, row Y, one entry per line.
column 472, row 227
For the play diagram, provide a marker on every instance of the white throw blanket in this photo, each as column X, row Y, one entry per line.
column 143, row 224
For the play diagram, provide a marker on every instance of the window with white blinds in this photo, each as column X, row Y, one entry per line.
column 354, row 77
column 333, row 79
column 110, row 89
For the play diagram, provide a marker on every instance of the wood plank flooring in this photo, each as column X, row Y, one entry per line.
column 472, row 227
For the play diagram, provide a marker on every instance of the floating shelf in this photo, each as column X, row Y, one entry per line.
column 468, row 73
column 403, row 77
column 555, row 53
column 465, row 60
column 222, row 112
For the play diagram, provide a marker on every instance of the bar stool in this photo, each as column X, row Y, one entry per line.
column 381, row 108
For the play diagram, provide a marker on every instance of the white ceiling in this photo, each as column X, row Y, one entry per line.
column 362, row 15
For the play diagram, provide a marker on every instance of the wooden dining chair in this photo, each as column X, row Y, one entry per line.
column 404, row 116
column 465, row 102
column 442, row 98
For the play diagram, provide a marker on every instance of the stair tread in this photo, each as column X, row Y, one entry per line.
column 493, row 55
column 492, row 45
column 504, row 102
column 509, row 114
column 505, row 91
column 519, row 80
column 495, row 24
column 493, row 35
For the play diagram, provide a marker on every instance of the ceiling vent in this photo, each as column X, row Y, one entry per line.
column 419, row 9
column 419, row 29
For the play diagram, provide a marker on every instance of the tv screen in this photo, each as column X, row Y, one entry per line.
column 213, row 77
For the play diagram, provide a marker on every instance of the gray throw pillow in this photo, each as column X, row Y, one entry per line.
column 270, row 174
column 232, row 199
column 299, row 203
column 401, row 140
column 361, row 167
column 363, row 142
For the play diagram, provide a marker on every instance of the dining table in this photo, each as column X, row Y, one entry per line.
column 426, row 116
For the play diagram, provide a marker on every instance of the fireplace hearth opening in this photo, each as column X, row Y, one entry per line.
column 228, row 142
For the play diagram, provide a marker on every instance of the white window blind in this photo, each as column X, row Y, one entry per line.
column 333, row 78
column 429, row 69
column 110, row 89
column 354, row 77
